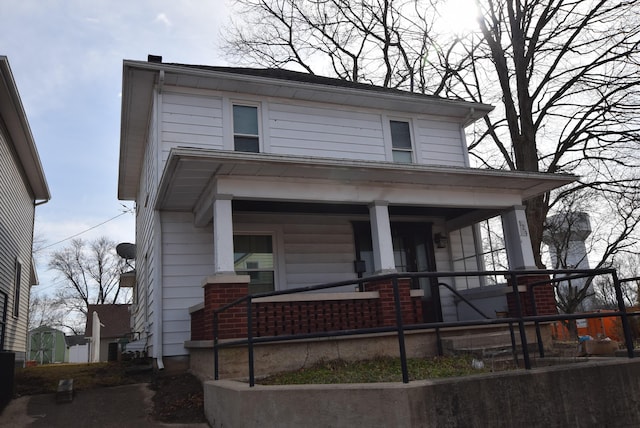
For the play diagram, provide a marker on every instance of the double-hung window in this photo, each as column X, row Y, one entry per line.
column 253, row 256
column 401, row 146
column 246, row 136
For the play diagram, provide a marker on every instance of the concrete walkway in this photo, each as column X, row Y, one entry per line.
column 120, row 406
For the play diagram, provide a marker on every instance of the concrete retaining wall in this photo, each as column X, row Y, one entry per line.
column 602, row 393
column 277, row 357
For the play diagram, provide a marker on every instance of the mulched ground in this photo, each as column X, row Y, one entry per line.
column 178, row 398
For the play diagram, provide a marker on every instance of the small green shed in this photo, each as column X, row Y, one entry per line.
column 46, row 345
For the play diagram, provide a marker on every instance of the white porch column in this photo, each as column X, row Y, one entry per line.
column 222, row 235
column 516, row 239
column 381, row 238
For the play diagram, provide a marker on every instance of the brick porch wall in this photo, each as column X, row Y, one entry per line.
column 411, row 307
column 544, row 296
column 298, row 317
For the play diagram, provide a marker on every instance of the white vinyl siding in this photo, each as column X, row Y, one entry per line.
column 439, row 143
column 16, row 233
column 190, row 120
column 325, row 131
column 305, row 129
column 187, row 258
column 316, row 249
column 147, row 263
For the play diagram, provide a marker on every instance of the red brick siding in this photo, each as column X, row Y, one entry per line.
column 198, row 325
column 283, row 318
column 544, row 296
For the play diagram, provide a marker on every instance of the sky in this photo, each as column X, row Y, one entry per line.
column 66, row 57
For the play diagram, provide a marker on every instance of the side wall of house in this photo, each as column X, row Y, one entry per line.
column 187, row 258
column 17, row 213
column 147, row 263
column 293, row 127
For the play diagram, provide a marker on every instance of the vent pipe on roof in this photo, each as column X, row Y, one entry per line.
column 154, row 58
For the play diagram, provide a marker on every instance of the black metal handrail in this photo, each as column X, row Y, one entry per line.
column 400, row 328
column 3, row 318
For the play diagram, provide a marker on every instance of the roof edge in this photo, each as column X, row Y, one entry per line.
column 22, row 139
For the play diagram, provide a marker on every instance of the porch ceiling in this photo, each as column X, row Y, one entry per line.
column 193, row 177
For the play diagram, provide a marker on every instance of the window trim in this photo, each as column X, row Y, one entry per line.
column 274, row 268
column 412, row 150
column 245, row 103
column 277, row 242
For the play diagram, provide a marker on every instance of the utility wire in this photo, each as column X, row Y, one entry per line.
column 84, row 231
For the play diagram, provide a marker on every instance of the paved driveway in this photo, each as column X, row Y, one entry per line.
column 121, row 406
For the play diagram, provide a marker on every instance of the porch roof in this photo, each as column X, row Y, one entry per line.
column 192, row 178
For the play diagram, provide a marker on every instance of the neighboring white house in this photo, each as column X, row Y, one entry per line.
column 22, row 187
column 296, row 180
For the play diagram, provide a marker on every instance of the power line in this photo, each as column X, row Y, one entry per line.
column 84, row 231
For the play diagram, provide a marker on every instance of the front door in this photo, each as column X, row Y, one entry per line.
column 413, row 252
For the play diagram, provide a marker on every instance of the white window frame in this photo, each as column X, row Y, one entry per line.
column 258, row 107
column 411, row 150
column 277, row 244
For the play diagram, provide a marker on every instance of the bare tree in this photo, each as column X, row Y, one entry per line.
column 628, row 268
column 52, row 312
column 568, row 74
column 91, row 272
column 386, row 42
column 564, row 74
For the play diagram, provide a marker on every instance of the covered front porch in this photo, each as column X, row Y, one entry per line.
column 279, row 223
column 290, row 221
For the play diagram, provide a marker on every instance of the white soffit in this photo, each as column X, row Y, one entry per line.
column 189, row 173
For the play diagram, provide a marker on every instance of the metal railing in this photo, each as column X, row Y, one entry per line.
column 4, row 298
column 399, row 328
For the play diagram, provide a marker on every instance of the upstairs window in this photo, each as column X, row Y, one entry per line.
column 401, row 147
column 246, row 137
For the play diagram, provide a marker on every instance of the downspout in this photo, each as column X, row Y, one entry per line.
column 157, row 239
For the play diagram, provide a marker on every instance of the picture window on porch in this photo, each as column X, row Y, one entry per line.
column 246, row 135
column 401, row 146
column 253, row 256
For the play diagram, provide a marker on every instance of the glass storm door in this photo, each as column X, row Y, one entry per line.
column 413, row 252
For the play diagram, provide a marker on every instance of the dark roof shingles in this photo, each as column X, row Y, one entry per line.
column 115, row 319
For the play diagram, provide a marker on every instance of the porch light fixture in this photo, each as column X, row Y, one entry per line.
column 440, row 240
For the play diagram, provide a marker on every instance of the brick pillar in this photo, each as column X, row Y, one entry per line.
column 387, row 303
column 219, row 291
column 544, row 296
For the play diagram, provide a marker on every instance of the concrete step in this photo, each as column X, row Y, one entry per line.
column 495, row 345
column 478, row 340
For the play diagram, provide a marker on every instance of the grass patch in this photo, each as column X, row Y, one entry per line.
column 44, row 379
column 376, row 370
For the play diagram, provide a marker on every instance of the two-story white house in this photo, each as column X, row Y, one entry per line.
column 23, row 186
column 285, row 179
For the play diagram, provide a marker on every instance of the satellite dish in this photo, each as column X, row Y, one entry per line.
column 126, row 250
